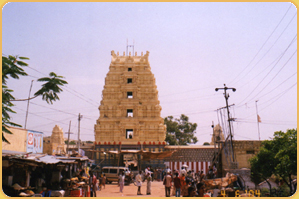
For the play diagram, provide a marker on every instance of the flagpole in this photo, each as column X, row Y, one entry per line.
column 258, row 120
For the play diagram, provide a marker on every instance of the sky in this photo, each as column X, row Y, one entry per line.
column 194, row 48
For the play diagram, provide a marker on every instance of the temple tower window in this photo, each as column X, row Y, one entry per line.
column 129, row 112
column 129, row 133
column 129, row 95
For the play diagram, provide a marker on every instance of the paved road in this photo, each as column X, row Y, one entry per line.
column 112, row 190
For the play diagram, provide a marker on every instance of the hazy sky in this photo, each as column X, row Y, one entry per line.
column 194, row 48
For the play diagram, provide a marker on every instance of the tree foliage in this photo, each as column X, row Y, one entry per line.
column 12, row 67
column 277, row 156
column 71, row 142
column 180, row 131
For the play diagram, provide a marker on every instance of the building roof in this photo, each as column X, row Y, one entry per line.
column 39, row 158
column 191, row 147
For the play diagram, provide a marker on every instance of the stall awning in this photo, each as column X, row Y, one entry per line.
column 145, row 154
column 29, row 158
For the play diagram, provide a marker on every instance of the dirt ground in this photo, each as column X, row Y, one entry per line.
column 112, row 190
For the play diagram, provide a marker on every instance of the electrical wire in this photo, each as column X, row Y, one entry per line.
column 294, row 39
column 280, row 96
column 53, row 109
column 274, row 76
column 266, row 52
column 278, row 85
column 187, row 91
column 273, row 98
column 262, row 45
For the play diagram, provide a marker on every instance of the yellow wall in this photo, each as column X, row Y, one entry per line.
column 243, row 150
column 17, row 140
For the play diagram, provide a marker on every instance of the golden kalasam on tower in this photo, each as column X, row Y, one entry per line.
column 130, row 112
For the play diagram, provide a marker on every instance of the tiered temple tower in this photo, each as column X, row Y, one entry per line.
column 130, row 112
column 55, row 143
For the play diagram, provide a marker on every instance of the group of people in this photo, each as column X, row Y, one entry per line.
column 95, row 183
column 182, row 184
column 180, row 181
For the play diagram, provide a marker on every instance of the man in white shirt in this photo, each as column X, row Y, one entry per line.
column 138, row 180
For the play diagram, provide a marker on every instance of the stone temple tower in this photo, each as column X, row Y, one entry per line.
column 130, row 112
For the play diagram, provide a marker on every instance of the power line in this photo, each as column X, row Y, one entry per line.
column 266, row 54
column 275, row 75
column 271, row 68
column 187, row 91
column 279, row 84
column 280, row 95
column 277, row 96
column 91, row 100
column 66, row 88
column 53, row 109
column 263, row 44
column 41, row 116
column 193, row 99
column 194, row 113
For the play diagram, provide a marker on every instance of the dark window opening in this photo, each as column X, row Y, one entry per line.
column 129, row 69
column 113, row 170
column 129, row 95
column 129, row 133
column 130, row 80
column 250, row 152
column 130, row 113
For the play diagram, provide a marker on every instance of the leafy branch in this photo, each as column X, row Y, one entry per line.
column 12, row 67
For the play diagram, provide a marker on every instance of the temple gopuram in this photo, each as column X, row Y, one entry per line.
column 130, row 114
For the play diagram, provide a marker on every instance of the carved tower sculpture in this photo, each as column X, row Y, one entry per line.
column 130, row 112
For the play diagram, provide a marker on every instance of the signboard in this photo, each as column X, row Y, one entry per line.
column 130, row 156
column 34, row 142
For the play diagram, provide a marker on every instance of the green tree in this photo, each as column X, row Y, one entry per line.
column 262, row 166
column 180, row 131
column 277, row 156
column 12, row 67
column 71, row 142
column 206, row 143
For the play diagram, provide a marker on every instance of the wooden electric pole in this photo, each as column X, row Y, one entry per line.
column 28, row 105
column 79, row 119
column 68, row 138
column 226, row 96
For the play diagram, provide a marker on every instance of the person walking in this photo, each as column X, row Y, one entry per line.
column 92, row 184
column 121, row 181
column 177, row 185
column 148, row 184
column 103, row 180
column 138, row 180
column 167, row 181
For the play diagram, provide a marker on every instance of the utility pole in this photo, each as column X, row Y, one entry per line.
column 28, row 105
column 258, row 120
column 68, row 139
column 214, row 137
column 226, row 96
column 79, row 119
